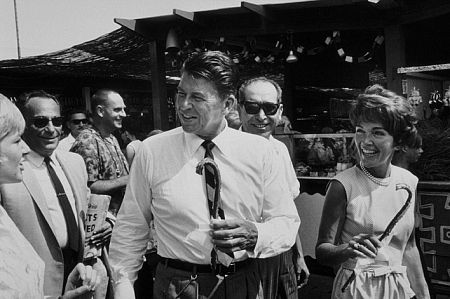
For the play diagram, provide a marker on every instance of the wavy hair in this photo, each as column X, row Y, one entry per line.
column 216, row 67
column 394, row 112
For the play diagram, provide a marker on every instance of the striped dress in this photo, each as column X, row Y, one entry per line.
column 370, row 208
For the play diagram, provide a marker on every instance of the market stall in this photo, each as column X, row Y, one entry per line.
column 323, row 53
column 427, row 87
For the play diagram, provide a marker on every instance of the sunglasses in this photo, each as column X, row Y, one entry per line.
column 255, row 107
column 41, row 122
column 79, row 121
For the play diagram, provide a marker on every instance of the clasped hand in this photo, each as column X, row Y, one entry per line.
column 83, row 279
column 364, row 245
column 232, row 235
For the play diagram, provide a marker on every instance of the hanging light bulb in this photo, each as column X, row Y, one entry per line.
column 291, row 57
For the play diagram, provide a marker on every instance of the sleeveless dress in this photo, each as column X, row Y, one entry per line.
column 21, row 269
column 370, row 208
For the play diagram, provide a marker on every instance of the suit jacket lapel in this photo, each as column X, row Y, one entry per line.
column 36, row 193
column 74, row 182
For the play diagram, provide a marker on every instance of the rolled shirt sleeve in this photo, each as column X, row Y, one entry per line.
column 131, row 233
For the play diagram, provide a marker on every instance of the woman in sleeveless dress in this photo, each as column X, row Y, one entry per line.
column 367, row 225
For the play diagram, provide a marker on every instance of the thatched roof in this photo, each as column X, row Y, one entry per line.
column 121, row 54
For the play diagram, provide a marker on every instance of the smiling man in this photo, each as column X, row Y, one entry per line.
column 106, row 165
column 260, row 112
column 203, row 255
column 49, row 205
column 76, row 122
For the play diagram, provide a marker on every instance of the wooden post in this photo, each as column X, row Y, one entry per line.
column 159, row 91
column 288, row 92
column 395, row 56
column 86, row 95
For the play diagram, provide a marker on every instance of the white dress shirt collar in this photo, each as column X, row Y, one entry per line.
column 222, row 141
column 36, row 159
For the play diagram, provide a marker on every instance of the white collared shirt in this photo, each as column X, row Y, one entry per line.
column 282, row 154
column 284, row 159
column 163, row 181
column 43, row 179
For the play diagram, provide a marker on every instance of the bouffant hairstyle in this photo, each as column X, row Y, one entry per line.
column 394, row 112
column 11, row 120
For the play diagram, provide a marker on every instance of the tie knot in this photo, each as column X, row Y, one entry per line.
column 47, row 160
column 208, row 145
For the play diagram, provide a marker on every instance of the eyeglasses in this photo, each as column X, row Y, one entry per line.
column 255, row 107
column 41, row 122
column 79, row 121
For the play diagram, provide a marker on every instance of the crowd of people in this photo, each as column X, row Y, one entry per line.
column 212, row 200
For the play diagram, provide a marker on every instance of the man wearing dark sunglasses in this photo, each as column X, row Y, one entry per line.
column 76, row 122
column 48, row 206
column 260, row 111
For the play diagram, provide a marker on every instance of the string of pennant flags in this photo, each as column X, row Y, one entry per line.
column 248, row 54
column 335, row 39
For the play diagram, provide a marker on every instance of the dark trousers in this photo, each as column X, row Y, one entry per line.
column 278, row 277
column 143, row 286
column 243, row 284
column 70, row 261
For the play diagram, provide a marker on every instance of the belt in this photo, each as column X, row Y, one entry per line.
column 202, row 268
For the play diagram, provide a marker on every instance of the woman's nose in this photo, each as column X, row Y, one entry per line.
column 25, row 148
column 368, row 137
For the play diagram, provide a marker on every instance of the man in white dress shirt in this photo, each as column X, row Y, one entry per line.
column 260, row 219
column 260, row 111
column 76, row 122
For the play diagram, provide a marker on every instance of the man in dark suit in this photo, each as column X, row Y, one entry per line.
column 49, row 205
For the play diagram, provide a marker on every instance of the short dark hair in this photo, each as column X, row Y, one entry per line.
column 100, row 97
column 259, row 79
column 394, row 112
column 75, row 111
column 216, row 67
column 25, row 98
column 414, row 140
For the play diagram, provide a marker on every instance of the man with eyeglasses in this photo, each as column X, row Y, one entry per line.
column 49, row 205
column 260, row 111
column 208, row 239
column 76, row 122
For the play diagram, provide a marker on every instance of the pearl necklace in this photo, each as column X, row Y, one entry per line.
column 381, row 182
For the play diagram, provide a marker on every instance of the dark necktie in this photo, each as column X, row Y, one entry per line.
column 214, row 201
column 72, row 228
